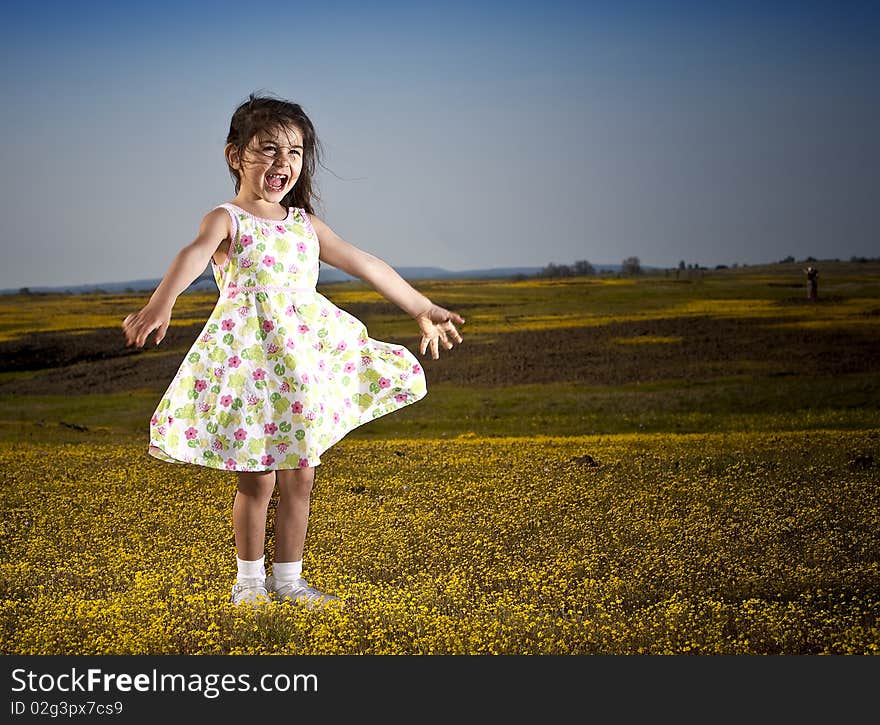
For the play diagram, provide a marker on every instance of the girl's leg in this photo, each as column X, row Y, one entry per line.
column 249, row 512
column 292, row 512
column 291, row 524
column 249, row 524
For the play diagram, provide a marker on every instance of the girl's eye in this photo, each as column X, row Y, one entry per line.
column 270, row 150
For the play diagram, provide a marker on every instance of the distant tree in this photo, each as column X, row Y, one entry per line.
column 787, row 260
column 583, row 267
column 24, row 291
column 556, row 270
column 681, row 265
column 630, row 266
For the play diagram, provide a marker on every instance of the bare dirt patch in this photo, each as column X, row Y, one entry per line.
column 709, row 348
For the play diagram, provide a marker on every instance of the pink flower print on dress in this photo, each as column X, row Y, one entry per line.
column 282, row 447
column 161, row 430
column 227, row 324
column 226, row 401
column 285, row 387
column 341, row 345
column 301, row 247
column 272, row 349
column 303, row 329
column 207, row 337
column 170, row 419
column 154, row 420
column 240, row 434
column 291, row 309
column 336, row 417
column 270, row 429
column 291, row 344
column 321, row 364
column 268, row 326
column 399, row 353
column 259, row 374
column 230, row 464
column 219, row 372
column 279, row 229
column 191, row 433
column 269, row 261
column 217, row 445
column 244, row 311
column 401, row 397
column 246, row 240
column 267, row 460
column 416, row 369
column 347, row 402
column 349, row 367
column 234, row 361
column 305, row 378
column 338, row 312
column 200, row 385
column 252, row 400
column 297, row 407
column 366, row 360
column 311, row 415
column 293, row 269
column 384, row 383
column 246, row 263
column 204, row 407
column 303, row 462
column 232, row 290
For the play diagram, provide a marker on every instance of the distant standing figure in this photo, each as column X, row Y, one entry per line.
column 812, row 283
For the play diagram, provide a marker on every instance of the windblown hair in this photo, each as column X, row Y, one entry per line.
column 260, row 114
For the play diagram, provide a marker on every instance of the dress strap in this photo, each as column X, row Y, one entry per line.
column 231, row 212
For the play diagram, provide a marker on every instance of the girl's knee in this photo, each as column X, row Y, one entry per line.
column 296, row 481
column 258, row 485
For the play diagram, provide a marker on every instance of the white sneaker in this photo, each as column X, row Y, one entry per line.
column 299, row 591
column 249, row 591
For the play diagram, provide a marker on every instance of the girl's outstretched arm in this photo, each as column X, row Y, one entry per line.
column 189, row 263
column 436, row 323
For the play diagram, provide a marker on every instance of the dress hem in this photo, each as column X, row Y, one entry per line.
column 163, row 455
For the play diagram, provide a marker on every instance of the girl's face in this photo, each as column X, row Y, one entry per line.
column 271, row 164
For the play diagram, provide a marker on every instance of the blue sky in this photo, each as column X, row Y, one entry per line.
column 459, row 135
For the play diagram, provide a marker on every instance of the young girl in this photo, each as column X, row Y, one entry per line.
column 279, row 373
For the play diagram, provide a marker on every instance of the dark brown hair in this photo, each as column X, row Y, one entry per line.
column 262, row 113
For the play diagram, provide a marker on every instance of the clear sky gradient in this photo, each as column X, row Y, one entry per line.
column 458, row 134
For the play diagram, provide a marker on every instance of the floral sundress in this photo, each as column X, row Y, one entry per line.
column 278, row 374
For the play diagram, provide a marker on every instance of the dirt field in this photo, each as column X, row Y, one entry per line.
column 695, row 348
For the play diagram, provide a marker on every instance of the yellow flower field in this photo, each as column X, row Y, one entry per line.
column 652, row 465
column 701, row 544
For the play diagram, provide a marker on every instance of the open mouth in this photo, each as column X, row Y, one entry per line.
column 276, row 182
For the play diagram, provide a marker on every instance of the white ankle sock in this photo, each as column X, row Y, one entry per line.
column 251, row 569
column 286, row 571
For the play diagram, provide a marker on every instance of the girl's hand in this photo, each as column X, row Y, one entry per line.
column 438, row 325
column 138, row 326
